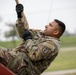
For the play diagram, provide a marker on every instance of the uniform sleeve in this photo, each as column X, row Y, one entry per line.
column 34, row 32
column 21, row 25
column 39, row 51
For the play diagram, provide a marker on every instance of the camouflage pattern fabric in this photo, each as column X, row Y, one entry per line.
column 33, row 56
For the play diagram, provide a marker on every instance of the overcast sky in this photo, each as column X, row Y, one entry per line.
column 40, row 12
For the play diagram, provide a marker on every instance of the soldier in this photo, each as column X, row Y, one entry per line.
column 37, row 50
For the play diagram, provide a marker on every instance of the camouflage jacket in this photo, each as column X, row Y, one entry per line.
column 41, row 50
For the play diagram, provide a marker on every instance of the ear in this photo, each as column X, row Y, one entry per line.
column 56, row 32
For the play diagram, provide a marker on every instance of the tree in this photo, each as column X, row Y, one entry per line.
column 11, row 33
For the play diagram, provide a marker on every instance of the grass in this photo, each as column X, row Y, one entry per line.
column 65, row 60
column 9, row 44
column 68, row 41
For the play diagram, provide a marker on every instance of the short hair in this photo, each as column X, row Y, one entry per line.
column 61, row 25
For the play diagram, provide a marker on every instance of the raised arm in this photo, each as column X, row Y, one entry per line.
column 21, row 23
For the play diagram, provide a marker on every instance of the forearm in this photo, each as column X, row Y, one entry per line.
column 24, row 19
column 21, row 25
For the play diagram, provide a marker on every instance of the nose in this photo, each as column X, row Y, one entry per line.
column 46, row 26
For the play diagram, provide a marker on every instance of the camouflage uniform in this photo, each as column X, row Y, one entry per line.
column 32, row 56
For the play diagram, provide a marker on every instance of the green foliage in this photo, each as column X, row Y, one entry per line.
column 12, row 32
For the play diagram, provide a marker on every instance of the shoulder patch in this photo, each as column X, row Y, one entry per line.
column 46, row 50
column 49, row 46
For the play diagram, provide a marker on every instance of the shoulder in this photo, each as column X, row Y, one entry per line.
column 50, row 47
column 51, row 43
column 53, row 40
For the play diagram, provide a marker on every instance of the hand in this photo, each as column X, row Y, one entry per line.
column 19, row 10
column 27, row 35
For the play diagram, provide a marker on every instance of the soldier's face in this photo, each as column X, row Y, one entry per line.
column 52, row 29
